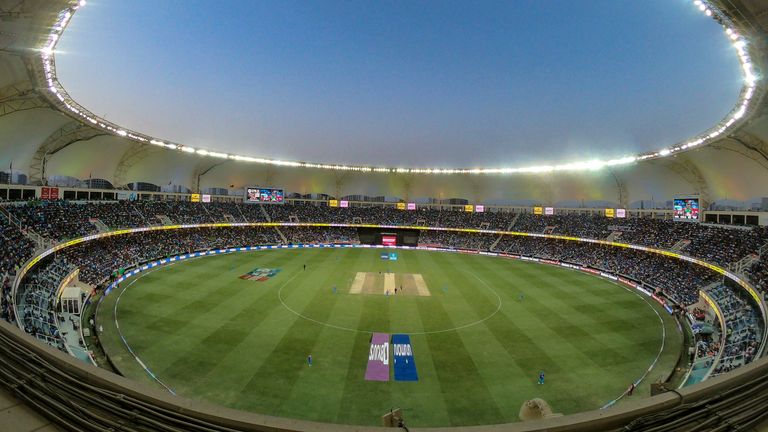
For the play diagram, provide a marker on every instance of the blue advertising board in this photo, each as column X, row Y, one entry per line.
column 404, row 364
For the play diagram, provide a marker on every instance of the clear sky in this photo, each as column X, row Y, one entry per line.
column 404, row 83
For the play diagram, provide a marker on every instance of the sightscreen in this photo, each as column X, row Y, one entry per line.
column 264, row 195
column 389, row 239
column 686, row 209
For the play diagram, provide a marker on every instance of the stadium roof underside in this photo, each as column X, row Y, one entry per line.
column 40, row 139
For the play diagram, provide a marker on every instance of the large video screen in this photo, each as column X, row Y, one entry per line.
column 264, row 195
column 389, row 239
column 686, row 209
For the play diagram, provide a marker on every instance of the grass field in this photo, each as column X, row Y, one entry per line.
column 210, row 335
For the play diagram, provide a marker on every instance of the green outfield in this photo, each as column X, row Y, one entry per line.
column 478, row 346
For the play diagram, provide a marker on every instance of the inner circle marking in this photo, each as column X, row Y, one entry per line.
column 334, row 326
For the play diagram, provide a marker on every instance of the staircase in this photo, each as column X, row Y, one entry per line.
column 680, row 245
column 509, row 228
column 282, row 236
column 267, row 217
column 41, row 242
column 242, row 215
column 164, row 220
column 743, row 264
column 100, row 226
column 514, row 221
column 613, row 236
column 210, row 217
column 140, row 213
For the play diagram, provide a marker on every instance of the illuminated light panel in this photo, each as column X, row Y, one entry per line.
column 738, row 112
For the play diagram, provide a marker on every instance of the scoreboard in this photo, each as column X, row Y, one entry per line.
column 686, row 209
column 264, row 195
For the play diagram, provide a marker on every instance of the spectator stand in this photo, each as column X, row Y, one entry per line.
column 709, row 340
column 643, row 254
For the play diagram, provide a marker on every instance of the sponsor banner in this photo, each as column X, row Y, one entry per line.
column 344, row 203
column 644, row 291
column 260, row 274
column 610, row 213
column 45, row 193
column 549, row 211
column 401, row 206
column 206, row 198
column 411, row 206
column 378, row 358
column 479, row 208
column 538, row 210
column 469, row 208
column 402, row 357
column 393, row 256
column 194, row 197
column 333, row 203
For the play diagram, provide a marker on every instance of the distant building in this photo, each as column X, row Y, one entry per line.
column 454, row 201
column 764, row 205
column 175, row 188
column 216, row 191
column 97, row 183
column 143, row 187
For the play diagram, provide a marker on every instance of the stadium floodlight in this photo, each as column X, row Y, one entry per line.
column 738, row 112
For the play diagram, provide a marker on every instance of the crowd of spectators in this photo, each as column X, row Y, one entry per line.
column 59, row 220
column 758, row 274
column 742, row 329
column 36, row 298
column 16, row 247
column 6, row 311
column 389, row 216
column 676, row 279
column 718, row 244
column 98, row 259
column 458, row 240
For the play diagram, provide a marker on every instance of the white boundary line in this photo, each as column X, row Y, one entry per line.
column 661, row 349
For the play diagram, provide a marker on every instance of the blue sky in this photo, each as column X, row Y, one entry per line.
column 405, row 83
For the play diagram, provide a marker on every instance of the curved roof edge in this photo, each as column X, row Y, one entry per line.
column 742, row 33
